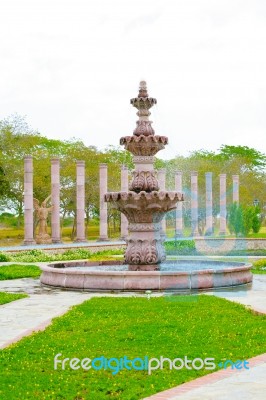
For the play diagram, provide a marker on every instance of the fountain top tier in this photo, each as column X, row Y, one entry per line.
column 143, row 142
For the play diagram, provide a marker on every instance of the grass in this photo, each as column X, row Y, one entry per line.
column 8, row 297
column 259, row 267
column 178, row 326
column 15, row 271
column 260, row 234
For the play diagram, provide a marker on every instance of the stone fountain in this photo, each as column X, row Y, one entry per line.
column 144, row 205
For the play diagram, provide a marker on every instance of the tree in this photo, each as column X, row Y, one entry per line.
column 248, row 215
column 235, row 219
column 256, row 220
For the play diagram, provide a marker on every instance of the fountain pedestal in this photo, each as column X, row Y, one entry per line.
column 144, row 205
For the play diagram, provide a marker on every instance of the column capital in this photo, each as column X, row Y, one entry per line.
column 124, row 167
column 194, row 173
column 55, row 160
column 80, row 162
column 178, row 172
column 208, row 174
column 28, row 157
column 222, row 175
column 103, row 165
column 235, row 177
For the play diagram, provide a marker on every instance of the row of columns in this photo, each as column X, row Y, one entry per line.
column 179, row 213
column 103, row 179
column 55, row 201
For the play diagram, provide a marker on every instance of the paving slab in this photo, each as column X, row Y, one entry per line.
column 22, row 317
column 221, row 385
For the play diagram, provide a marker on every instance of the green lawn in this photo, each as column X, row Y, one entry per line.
column 259, row 267
column 178, row 326
column 15, row 271
column 8, row 297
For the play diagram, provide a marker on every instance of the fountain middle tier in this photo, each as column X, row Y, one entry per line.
column 144, row 207
column 144, row 211
column 143, row 145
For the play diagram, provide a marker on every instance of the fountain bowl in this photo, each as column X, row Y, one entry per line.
column 176, row 276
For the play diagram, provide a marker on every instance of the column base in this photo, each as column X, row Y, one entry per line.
column 195, row 233
column 222, row 233
column 179, row 234
column 80, row 241
column 28, row 242
column 163, row 236
column 123, row 238
column 103, row 239
column 56, row 241
column 208, row 233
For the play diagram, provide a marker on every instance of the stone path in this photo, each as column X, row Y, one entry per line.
column 66, row 246
column 222, row 385
column 22, row 317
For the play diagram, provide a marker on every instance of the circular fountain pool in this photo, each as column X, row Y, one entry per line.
column 171, row 275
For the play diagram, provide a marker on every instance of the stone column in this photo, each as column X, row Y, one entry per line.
column 103, row 204
column 55, row 199
column 80, row 198
column 124, row 188
column 161, row 181
column 222, row 204
column 28, row 201
column 179, row 215
column 209, row 217
column 194, row 204
column 235, row 189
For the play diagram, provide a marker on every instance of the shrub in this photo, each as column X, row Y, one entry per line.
column 4, row 257
column 71, row 254
column 259, row 267
column 256, row 221
column 242, row 220
column 180, row 247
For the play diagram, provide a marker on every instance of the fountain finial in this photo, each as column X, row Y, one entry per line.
column 143, row 89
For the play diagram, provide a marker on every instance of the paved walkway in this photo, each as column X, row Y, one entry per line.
column 223, row 385
column 21, row 317
column 66, row 246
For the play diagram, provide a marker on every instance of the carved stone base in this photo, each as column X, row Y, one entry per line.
column 43, row 239
column 147, row 251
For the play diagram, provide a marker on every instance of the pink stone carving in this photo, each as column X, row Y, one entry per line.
column 144, row 145
column 42, row 237
column 144, row 180
column 144, row 205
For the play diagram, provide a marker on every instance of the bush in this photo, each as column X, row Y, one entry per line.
column 256, row 221
column 259, row 267
column 4, row 257
column 72, row 254
column 242, row 220
column 180, row 247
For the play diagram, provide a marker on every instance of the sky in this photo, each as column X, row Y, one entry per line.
column 71, row 67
